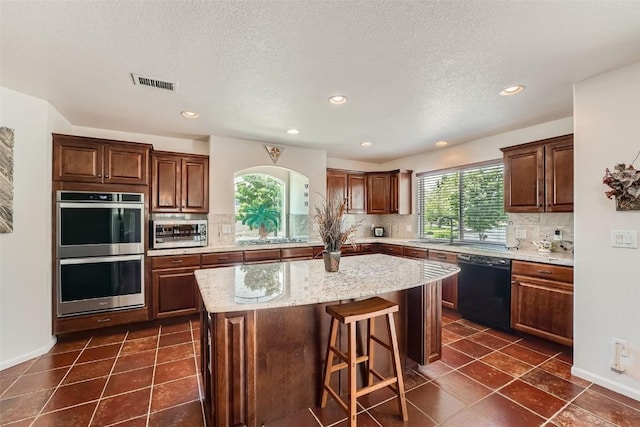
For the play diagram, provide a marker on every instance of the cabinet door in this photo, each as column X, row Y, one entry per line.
column 166, row 183
column 356, row 193
column 450, row 284
column 524, row 179
column 543, row 308
column 379, row 194
column 77, row 160
column 175, row 292
column 195, row 185
column 559, row 175
column 336, row 184
column 125, row 164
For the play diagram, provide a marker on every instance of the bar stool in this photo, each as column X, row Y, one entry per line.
column 349, row 314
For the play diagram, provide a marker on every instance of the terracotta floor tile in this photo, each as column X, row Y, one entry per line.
column 435, row 402
column 363, row 420
column 22, row 423
column 608, row 409
column 173, row 339
column 86, row 371
column 573, row 416
column 35, row 382
column 541, row 346
column 189, row 414
column 143, row 333
column 76, row 393
column 552, row 384
column 174, row 370
column 97, row 353
column 412, row 379
column 330, row 414
column 454, row 358
column 451, row 314
column 63, row 346
column 505, row 336
column 129, row 362
column 471, row 348
column 460, row 329
column 506, row 363
column 495, row 411
column 449, row 337
column 538, row 401
column 486, row 375
column 473, row 324
column 434, row 370
column 128, row 381
column 23, row 406
column 75, row 416
column 388, row 415
column 301, row 418
column 99, row 340
column 53, row 361
column 176, row 327
column 174, row 393
column 139, row 345
column 375, row 398
column 563, row 370
column 525, row 354
column 175, row 352
column 488, row 340
column 122, row 407
column 462, row 387
column 5, row 383
column 566, row 355
column 17, row 370
column 616, row 396
column 134, row 422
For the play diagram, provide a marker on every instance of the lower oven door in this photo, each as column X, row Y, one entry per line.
column 87, row 285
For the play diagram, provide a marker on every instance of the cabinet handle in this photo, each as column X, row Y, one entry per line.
column 106, row 176
column 441, row 256
column 99, row 175
column 222, row 258
column 177, row 261
column 108, row 319
column 545, row 272
column 513, row 282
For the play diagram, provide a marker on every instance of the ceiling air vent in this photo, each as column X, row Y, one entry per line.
column 152, row 82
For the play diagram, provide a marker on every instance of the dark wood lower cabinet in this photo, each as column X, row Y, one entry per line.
column 259, row 366
column 174, row 292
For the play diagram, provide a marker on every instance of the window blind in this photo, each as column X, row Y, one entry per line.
column 463, row 204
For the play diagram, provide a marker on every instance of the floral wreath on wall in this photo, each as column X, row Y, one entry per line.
column 624, row 182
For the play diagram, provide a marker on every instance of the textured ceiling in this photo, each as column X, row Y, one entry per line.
column 414, row 72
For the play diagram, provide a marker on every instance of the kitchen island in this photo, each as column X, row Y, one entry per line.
column 264, row 328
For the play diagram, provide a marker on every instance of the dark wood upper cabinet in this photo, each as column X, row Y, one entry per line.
column 400, row 185
column 357, row 193
column 93, row 160
column 180, row 183
column 538, row 176
column 379, row 193
column 336, row 184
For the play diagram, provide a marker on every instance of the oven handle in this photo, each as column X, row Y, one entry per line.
column 92, row 260
column 108, row 205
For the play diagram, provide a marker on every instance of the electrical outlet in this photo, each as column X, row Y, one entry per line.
column 557, row 235
column 226, row 229
column 521, row 233
column 623, row 346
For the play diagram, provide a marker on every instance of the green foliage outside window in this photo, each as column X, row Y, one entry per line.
column 260, row 200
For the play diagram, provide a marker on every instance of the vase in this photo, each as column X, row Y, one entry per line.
column 627, row 204
column 331, row 261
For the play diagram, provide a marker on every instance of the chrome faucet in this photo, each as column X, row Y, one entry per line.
column 450, row 227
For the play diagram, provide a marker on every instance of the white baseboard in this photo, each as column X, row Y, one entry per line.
column 24, row 357
column 628, row 391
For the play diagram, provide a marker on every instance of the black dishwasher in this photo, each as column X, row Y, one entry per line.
column 484, row 290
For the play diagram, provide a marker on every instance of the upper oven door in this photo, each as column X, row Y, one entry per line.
column 99, row 229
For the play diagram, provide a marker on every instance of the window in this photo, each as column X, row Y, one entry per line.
column 463, row 204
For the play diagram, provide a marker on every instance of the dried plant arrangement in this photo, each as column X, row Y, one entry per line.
column 330, row 219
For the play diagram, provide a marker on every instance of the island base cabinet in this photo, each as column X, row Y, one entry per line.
column 424, row 321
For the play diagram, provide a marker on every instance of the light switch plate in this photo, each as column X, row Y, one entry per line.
column 624, row 239
column 521, row 233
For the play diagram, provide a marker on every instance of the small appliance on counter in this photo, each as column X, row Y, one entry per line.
column 178, row 233
column 378, row 231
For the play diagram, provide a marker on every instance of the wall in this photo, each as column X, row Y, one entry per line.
column 25, row 264
column 229, row 155
column 607, row 280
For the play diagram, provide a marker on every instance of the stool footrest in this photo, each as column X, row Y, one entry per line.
column 377, row 386
column 345, row 358
column 382, row 343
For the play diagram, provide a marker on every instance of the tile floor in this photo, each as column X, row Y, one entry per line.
column 148, row 377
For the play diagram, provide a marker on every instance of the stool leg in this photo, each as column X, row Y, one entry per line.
column 370, row 350
column 352, row 375
column 329, row 361
column 402, row 403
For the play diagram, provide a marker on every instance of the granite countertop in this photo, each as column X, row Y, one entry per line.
column 293, row 283
column 557, row 258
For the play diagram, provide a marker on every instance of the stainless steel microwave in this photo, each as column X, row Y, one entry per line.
column 178, row 233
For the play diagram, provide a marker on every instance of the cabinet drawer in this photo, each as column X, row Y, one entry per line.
column 415, row 253
column 348, row 249
column 221, row 258
column 443, row 256
column 300, row 253
column 262, row 255
column 542, row 271
column 368, row 248
column 391, row 249
column 175, row 261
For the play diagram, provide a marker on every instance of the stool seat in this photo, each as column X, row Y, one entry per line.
column 349, row 314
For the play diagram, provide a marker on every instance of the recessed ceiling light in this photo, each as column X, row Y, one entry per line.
column 366, row 144
column 511, row 90
column 441, row 143
column 338, row 99
column 293, row 131
column 189, row 114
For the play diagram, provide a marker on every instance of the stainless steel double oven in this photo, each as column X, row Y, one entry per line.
column 99, row 251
